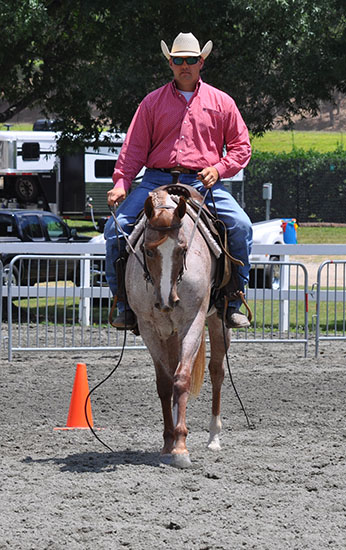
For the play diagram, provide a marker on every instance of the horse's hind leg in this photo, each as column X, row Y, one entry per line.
column 218, row 349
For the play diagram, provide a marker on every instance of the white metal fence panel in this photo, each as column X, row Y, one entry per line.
column 58, row 302
column 279, row 302
column 330, row 302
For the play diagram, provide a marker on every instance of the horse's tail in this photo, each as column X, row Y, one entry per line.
column 197, row 375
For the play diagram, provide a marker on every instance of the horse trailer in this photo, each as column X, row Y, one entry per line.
column 34, row 175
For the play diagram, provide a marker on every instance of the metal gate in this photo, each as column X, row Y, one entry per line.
column 279, row 304
column 330, row 302
column 58, row 302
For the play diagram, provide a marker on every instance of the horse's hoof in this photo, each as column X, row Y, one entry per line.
column 214, row 444
column 166, row 459
column 181, row 460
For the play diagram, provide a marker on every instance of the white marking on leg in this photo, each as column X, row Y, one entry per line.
column 175, row 415
column 166, row 250
column 214, row 430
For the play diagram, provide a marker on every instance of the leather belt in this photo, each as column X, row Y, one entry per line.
column 180, row 169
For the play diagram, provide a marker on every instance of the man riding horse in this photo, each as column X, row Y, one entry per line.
column 183, row 127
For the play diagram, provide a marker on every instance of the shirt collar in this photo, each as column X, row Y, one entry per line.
column 196, row 91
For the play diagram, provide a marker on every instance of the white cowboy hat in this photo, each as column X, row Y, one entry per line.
column 186, row 44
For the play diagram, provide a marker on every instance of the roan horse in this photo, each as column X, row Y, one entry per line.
column 171, row 311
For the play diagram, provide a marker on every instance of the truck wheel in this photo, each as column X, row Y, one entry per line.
column 267, row 277
column 6, row 273
column 256, row 277
column 26, row 189
column 272, row 274
column 15, row 279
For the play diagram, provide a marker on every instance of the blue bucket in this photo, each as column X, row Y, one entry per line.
column 289, row 226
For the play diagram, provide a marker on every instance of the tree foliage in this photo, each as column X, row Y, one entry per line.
column 90, row 62
column 307, row 185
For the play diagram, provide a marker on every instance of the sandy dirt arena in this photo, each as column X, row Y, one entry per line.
column 279, row 486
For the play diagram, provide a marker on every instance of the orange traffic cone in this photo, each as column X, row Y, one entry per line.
column 76, row 415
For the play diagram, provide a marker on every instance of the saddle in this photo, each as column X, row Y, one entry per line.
column 226, row 277
column 226, row 283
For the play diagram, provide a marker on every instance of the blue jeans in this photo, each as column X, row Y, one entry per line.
column 238, row 224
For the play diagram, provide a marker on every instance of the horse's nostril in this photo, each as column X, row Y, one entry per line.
column 157, row 305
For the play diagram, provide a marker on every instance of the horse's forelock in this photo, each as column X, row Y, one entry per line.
column 163, row 218
column 154, row 244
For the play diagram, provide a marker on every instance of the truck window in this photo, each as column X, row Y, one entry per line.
column 56, row 230
column 104, row 168
column 6, row 228
column 32, row 228
column 30, row 151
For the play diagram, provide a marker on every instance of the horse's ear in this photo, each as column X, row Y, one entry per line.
column 149, row 207
column 181, row 208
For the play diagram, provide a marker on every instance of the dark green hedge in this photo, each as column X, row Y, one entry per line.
column 308, row 186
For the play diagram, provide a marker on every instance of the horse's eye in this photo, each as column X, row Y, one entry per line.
column 149, row 253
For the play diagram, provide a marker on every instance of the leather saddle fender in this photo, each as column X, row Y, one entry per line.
column 226, row 276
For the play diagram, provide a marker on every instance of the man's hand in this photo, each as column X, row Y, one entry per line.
column 115, row 196
column 208, row 176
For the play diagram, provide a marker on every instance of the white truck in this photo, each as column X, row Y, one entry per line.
column 33, row 175
column 266, row 232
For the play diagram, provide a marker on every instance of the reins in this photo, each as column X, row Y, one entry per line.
column 157, row 228
column 250, row 424
column 197, row 220
column 127, row 240
column 119, row 228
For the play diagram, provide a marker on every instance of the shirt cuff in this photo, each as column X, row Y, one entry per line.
column 122, row 184
column 226, row 172
column 220, row 168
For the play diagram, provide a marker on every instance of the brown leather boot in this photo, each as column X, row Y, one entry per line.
column 125, row 320
column 236, row 319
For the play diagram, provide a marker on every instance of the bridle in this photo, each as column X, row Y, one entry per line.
column 142, row 261
column 163, row 229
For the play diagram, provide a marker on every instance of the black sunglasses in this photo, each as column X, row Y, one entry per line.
column 189, row 60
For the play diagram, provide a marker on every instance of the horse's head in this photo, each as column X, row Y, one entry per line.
column 164, row 249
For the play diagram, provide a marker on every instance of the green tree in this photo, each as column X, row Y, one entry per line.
column 90, row 62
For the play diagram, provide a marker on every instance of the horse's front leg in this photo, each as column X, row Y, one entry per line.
column 164, row 384
column 182, row 382
column 218, row 350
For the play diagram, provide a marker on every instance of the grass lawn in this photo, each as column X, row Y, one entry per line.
column 83, row 227
column 17, row 127
column 278, row 141
column 321, row 235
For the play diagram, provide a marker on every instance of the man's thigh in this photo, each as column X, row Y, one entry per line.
column 228, row 209
column 128, row 210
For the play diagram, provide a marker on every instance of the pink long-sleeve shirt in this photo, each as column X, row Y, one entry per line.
column 166, row 131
